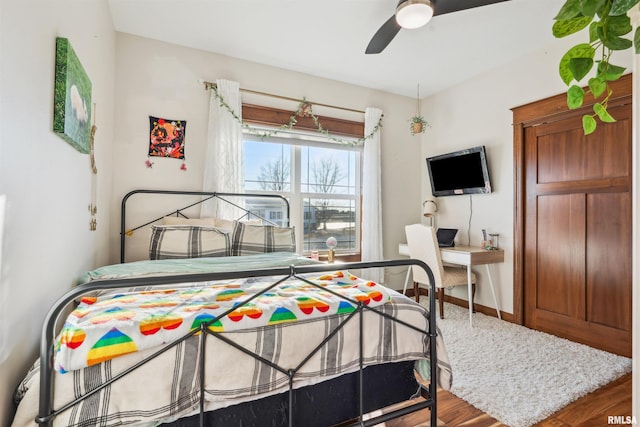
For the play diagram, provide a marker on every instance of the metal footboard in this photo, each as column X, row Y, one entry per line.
column 47, row 413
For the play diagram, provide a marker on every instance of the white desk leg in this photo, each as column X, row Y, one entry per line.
column 493, row 291
column 469, row 289
column 406, row 281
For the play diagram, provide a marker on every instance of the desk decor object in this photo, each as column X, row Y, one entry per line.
column 494, row 241
column 490, row 241
column 72, row 98
column 331, row 244
column 429, row 211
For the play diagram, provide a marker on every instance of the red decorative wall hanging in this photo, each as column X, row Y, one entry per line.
column 166, row 139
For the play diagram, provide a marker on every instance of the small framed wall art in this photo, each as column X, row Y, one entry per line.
column 72, row 98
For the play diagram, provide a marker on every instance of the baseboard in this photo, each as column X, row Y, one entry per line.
column 489, row 311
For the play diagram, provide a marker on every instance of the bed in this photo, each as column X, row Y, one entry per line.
column 261, row 339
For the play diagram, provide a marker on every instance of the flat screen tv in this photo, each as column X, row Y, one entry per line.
column 460, row 172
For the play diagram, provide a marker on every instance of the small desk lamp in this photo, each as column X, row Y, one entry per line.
column 429, row 209
column 332, row 242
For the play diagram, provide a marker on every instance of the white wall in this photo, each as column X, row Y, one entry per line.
column 47, row 242
column 160, row 79
column 478, row 112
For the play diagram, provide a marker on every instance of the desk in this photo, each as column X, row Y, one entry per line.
column 467, row 256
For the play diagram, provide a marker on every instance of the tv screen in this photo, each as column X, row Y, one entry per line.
column 460, row 172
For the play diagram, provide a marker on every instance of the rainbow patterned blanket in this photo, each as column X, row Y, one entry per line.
column 112, row 325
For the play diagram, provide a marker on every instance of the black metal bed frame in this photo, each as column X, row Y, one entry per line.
column 47, row 413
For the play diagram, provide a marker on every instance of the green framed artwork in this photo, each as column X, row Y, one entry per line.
column 72, row 98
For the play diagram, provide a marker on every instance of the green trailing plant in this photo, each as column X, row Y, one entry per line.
column 608, row 28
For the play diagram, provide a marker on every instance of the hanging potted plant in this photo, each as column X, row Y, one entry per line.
column 417, row 123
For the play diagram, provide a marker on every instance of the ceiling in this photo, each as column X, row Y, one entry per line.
column 327, row 38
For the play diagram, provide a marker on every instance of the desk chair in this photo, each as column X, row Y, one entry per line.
column 423, row 245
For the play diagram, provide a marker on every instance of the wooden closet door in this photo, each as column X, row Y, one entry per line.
column 577, row 220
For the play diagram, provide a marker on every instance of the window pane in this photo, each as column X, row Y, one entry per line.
column 324, row 196
column 324, row 218
column 267, row 166
column 273, row 215
column 328, row 171
column 269, row 211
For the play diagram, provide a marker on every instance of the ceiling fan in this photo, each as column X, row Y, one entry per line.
column 416, row 13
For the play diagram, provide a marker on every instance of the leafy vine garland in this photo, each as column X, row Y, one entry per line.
column 304, row 109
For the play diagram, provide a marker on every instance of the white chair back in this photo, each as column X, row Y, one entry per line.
column 423, row 245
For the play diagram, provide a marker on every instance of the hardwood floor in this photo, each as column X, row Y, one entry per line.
column 591, row 410
column 594, row 409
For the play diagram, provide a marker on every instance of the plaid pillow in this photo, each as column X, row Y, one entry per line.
column 248, row 239
column 187, row 241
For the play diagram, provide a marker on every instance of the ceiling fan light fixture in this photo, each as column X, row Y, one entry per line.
column 414, row 13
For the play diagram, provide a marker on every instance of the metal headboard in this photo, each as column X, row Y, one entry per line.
column 206, row 196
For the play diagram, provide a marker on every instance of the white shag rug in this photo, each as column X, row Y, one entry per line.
column 517, row 375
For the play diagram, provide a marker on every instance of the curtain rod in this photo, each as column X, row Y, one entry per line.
column 209, row 85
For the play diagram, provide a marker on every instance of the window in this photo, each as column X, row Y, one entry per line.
column 321, row 180
column 275, row 215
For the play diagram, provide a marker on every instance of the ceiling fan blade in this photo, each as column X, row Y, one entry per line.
column 447, row 6
column 383, row 36
column 389, row 29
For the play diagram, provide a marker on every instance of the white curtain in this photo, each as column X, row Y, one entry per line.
column 371, row 196
column 224, row 168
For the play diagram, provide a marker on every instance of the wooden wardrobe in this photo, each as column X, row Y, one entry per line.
column 573, row 221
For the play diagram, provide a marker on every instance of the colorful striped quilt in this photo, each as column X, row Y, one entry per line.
column 111, row 325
